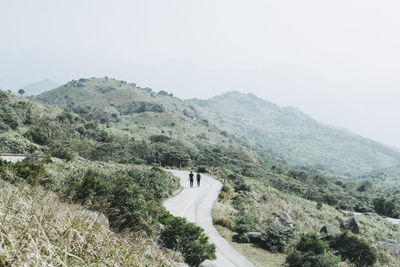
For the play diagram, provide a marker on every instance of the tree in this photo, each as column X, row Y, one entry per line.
column 21, row 92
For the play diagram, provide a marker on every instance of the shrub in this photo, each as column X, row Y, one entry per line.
column 238, row 238
column 311, row 243
column 63, row 152
column 354, row 249
column 303, row 259
column 224, row 222
column 245, row 222
column 38, row 136
column 91, row 186
column 187, row 238
column 275, row 237
column 311, row 251
column 159, row 138
column 226, row 188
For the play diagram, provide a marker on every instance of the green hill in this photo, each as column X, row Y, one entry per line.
column 133, row 109
column 295, row 136
column 39, row 87
column 122, row 129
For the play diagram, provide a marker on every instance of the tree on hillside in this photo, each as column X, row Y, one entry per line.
column 21, row 92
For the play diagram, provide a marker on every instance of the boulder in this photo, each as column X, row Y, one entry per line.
column 350, row 225
column 95, row 217
column 159, row 227
column 329, row 231
column 388, row 245
column 283, row 218
column 181, row 264
column 256, row 196
column 254, row 237
column 207, row 263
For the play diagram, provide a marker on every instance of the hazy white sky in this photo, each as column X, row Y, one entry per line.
column 338, row 61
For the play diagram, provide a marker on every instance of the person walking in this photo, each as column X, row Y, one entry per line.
column 198, row 178
column 191, row 178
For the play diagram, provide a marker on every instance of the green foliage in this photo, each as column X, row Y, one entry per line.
column 311, row 251
column 275, row 237
column 354, row 249
column 91, row 186
column 386, row 207
column 226, row 188
column 311, row 243
column 37, row 135
column 187, row 238
column 245, row 222
column 306, row 259
column 63, row 152
column 22, row 171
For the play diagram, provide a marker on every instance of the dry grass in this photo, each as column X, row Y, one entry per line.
column 37, row 229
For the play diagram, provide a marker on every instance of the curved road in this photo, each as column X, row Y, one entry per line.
column 195, row 204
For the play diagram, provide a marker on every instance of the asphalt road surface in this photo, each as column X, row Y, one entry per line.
column 195, row 204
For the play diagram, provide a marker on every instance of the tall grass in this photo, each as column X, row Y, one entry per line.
column 37, row 229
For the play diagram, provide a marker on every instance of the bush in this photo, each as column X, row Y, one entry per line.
column 245, row 222
column 226, row 188
column 38, row 136
column 311, row 243
column 238, row 238
column 354, row 249
column 223, row 222
column 187, row 238
column 303, row 259
column 62, row 152
column 311, row 251
column 275, row 237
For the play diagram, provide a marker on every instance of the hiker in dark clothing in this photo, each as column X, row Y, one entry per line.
column 198, row 177
column 191, row 178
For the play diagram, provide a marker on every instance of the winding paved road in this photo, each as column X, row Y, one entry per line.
column 195, row 204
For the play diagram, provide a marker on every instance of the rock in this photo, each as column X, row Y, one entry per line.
column 256, row 196
column 181, row 264
column 388, row 245
column 350, row 225
column 159, row 227
column 283, row 218
column 329, row 230
column 207, row 263
column 95, row 217
column 254, row 237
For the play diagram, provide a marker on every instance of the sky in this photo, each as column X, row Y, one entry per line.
column 338, row 61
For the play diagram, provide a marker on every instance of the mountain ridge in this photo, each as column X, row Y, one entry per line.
column 263, row 122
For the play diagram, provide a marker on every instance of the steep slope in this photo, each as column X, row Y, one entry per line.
column 39, row 87
column 296, row 136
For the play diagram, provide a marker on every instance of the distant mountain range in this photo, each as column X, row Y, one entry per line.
column 39, row 87
column 295, row 136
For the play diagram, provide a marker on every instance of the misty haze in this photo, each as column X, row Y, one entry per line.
column 199, row 133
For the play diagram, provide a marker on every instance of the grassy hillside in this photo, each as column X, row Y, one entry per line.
column 295, row 136
column 130, row 108
column 139, row 134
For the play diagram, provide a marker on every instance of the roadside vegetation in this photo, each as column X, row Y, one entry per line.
column 114, row 137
